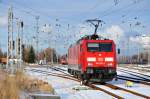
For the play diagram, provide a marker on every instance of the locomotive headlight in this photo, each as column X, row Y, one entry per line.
column 109, row 59
column 91, row 59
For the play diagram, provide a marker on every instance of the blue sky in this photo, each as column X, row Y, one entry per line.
column 122, row 17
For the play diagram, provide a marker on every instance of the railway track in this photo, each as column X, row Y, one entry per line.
column 93, row 86
column 53, row 74
column 135, row 73
column 74, row 79
column 126, row 90
column 136, row 81
column 136, row 68
column 120, row 88
column 133, row 79
column 123, row 89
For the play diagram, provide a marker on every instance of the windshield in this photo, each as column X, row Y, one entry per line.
column 99, row 47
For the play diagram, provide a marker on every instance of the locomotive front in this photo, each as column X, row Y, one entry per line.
column 98, row 60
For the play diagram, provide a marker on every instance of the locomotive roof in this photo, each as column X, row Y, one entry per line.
column 90, row 37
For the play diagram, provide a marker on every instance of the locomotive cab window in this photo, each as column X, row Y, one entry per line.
column 105, row 47
column 93, row 47
column 99, row 47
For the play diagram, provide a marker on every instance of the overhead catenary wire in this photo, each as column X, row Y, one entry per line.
column 47, row 16
column 118, row 10
column 105, row 14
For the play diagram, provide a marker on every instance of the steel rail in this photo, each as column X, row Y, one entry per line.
column 136, row 81
column 135, row 75
column 134, row 72
column 130, row 91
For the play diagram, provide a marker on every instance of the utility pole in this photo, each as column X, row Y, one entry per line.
column 49, row 35
column 128, row 54
column 148, row 57
column 57, row 27
column 50, row 45
column 10, row 39
column 148, row 63
column 37, row 37
column 19, row 43
column 52, row 56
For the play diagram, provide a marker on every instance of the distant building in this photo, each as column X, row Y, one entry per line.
column 142, row 58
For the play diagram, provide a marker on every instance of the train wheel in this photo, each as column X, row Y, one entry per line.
column 84, row 78
column 68, row 70
column 116, row 79
column 81, row 82
column 77, row 76
column 102, row 83
column 86, row 81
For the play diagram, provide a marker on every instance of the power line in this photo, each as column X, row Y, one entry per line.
column 117, row 10
column 36, row 11
column 123, row 8
column 105, row 14
column 37, row 36
column 29, row 12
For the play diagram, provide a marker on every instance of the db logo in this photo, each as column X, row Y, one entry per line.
column 100, row 59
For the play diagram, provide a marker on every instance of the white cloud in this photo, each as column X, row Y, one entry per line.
column 3, row 20
column 114, row 32
column 143, row 40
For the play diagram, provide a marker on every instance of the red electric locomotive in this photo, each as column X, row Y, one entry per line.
column 93, row 59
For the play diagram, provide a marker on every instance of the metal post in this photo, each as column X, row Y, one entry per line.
column 51, row 49
column 21, row 40
column 37, row 36
column 148, row 63
column 10, row 39
column 138, row 55
column 52, row 55
column 17, row 44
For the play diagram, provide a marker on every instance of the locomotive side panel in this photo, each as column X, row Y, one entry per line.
column 74, row 58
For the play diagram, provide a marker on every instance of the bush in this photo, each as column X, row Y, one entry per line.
column 11, row 85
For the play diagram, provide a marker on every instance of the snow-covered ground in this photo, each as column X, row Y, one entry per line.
column 66, row 88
